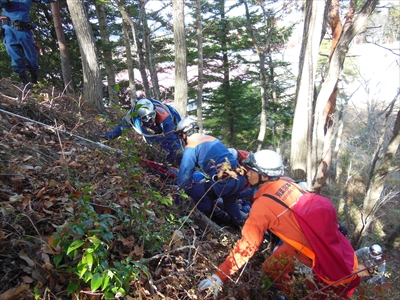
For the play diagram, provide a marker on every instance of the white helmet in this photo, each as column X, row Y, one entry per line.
column 375, row 251
column 234, row 152
column 187, row 126
column 146, row 110
column 265, row 162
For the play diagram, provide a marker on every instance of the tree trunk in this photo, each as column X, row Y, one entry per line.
column 181, row 85
column 92, row 84
column 62, row 44
column 149, row 52
column 226, row 85
column 374, row 198
column 264, row 102
column 330, row 108
column 338, row 167
column 330, row 84
column 262, row 51
column 200, row 65
column 129, row 63
column 138, row 49
column 300, row 160
column 107, row 54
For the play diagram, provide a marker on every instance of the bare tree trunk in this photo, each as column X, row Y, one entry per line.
column 107, row 54
column 329, row 86
column 300, row 160
column 92, row 84
column 181, row 85
column 129, row 63
column 264, row 102
column 142, row 63
column 330, row 108
column 149, row 52
column 374, row 199
column 200, row 66
column 62, row 44
column 138, row 48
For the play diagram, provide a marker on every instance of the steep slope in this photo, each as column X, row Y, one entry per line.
column 60, row 188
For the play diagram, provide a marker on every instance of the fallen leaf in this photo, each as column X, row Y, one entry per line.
column 26, row 203
column 6, row 209
column 48, row 266
column 14, row 292
column 74, row 164
column 16, row 198
column 387, row 285
column 27, row 157
column 27, row 279
column 23, row 255
column 177, row 238
column 40, row 193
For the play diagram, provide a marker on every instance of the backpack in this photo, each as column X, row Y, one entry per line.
column 170, row 109
column 333, row 256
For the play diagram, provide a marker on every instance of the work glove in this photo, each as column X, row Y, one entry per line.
column 212, row 283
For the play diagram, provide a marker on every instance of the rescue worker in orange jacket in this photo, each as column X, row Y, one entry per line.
column 264, row 170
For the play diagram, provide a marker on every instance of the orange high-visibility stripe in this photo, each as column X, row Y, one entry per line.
column 192, row 143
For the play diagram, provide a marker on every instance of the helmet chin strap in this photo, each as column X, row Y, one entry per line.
column 184, row 138
column 260, row 181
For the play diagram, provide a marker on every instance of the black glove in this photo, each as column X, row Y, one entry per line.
column 1, row 33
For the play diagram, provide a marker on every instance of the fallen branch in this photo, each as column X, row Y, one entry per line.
column 8, row 97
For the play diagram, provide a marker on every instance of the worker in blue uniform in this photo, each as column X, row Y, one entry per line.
column 213, row 159
column 155, row 124
column 17, row 35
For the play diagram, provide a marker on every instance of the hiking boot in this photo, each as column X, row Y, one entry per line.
column 34, row 76
column 220, row 217
column 24, row 78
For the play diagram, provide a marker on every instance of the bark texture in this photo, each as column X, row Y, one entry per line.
column 300, row 160
column 62, row 44
column 92, row 84
column 107, row 55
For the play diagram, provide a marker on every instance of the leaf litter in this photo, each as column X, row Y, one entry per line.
column 43, row 167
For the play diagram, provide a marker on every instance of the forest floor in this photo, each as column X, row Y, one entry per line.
column 58, row 185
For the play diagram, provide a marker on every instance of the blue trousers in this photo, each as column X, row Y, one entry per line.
column 20, row 46
column 228, row 190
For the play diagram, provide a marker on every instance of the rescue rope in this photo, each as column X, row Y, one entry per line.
column 62, row 130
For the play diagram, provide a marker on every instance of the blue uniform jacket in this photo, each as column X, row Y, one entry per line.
column 162, row 133
column 205, row 152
